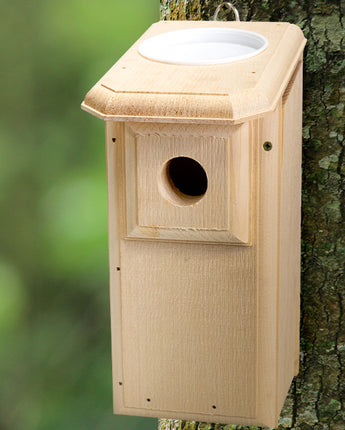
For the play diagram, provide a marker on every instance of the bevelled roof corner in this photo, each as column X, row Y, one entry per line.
column 138, row 89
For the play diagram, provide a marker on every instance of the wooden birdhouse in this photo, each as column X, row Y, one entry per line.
column 203, row 135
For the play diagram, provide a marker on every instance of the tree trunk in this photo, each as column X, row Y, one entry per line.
column 317, row 396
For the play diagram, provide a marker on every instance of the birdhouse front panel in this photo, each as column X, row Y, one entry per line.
column 171, row 320
column 204, row 228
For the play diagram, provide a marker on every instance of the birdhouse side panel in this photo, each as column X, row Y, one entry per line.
column 290, row 233
column 116, row 179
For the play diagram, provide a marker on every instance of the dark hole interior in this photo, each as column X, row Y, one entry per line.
column 188, row 176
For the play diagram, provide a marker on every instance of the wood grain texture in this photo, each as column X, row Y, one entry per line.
column 202, row 330
column 269, row 129
column 197, row 325
column 181, row 363
column 222, row 93
column 225, row 155
column 290, row 233
column 115, row 151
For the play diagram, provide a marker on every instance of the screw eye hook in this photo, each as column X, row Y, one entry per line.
column 230, row 6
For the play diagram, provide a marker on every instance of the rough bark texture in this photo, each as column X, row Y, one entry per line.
column 317, row 396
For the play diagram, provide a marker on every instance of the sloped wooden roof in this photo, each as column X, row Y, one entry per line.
column 138, row 89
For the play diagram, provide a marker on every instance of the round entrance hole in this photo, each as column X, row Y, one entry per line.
column 183, row 181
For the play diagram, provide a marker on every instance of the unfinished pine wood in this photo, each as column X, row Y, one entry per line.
column 221, row 93
column 205, row 319
column 115, row 150
column 189, row 347
column 204, row 288
column 155, row 209
column 269, row 129
column 290, row 233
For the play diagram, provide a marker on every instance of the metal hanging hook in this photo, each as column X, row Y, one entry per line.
column 230, row 6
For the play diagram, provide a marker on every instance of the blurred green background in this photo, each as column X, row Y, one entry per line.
column 55, row 364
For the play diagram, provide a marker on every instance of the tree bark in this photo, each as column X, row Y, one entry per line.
column 317, row 396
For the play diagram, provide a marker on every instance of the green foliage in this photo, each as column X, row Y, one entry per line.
column 55, row 365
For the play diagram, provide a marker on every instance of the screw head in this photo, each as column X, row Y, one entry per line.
column 267, row 146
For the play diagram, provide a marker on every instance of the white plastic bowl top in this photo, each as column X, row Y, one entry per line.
column 203, row 46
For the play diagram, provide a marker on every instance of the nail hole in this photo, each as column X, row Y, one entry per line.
column 148, row 400
column 214, row 406
column 114, row 139
column 267, row 146
column 120, row 383
column 117, row 268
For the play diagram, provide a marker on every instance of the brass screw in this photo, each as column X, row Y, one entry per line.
column 267, row 146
